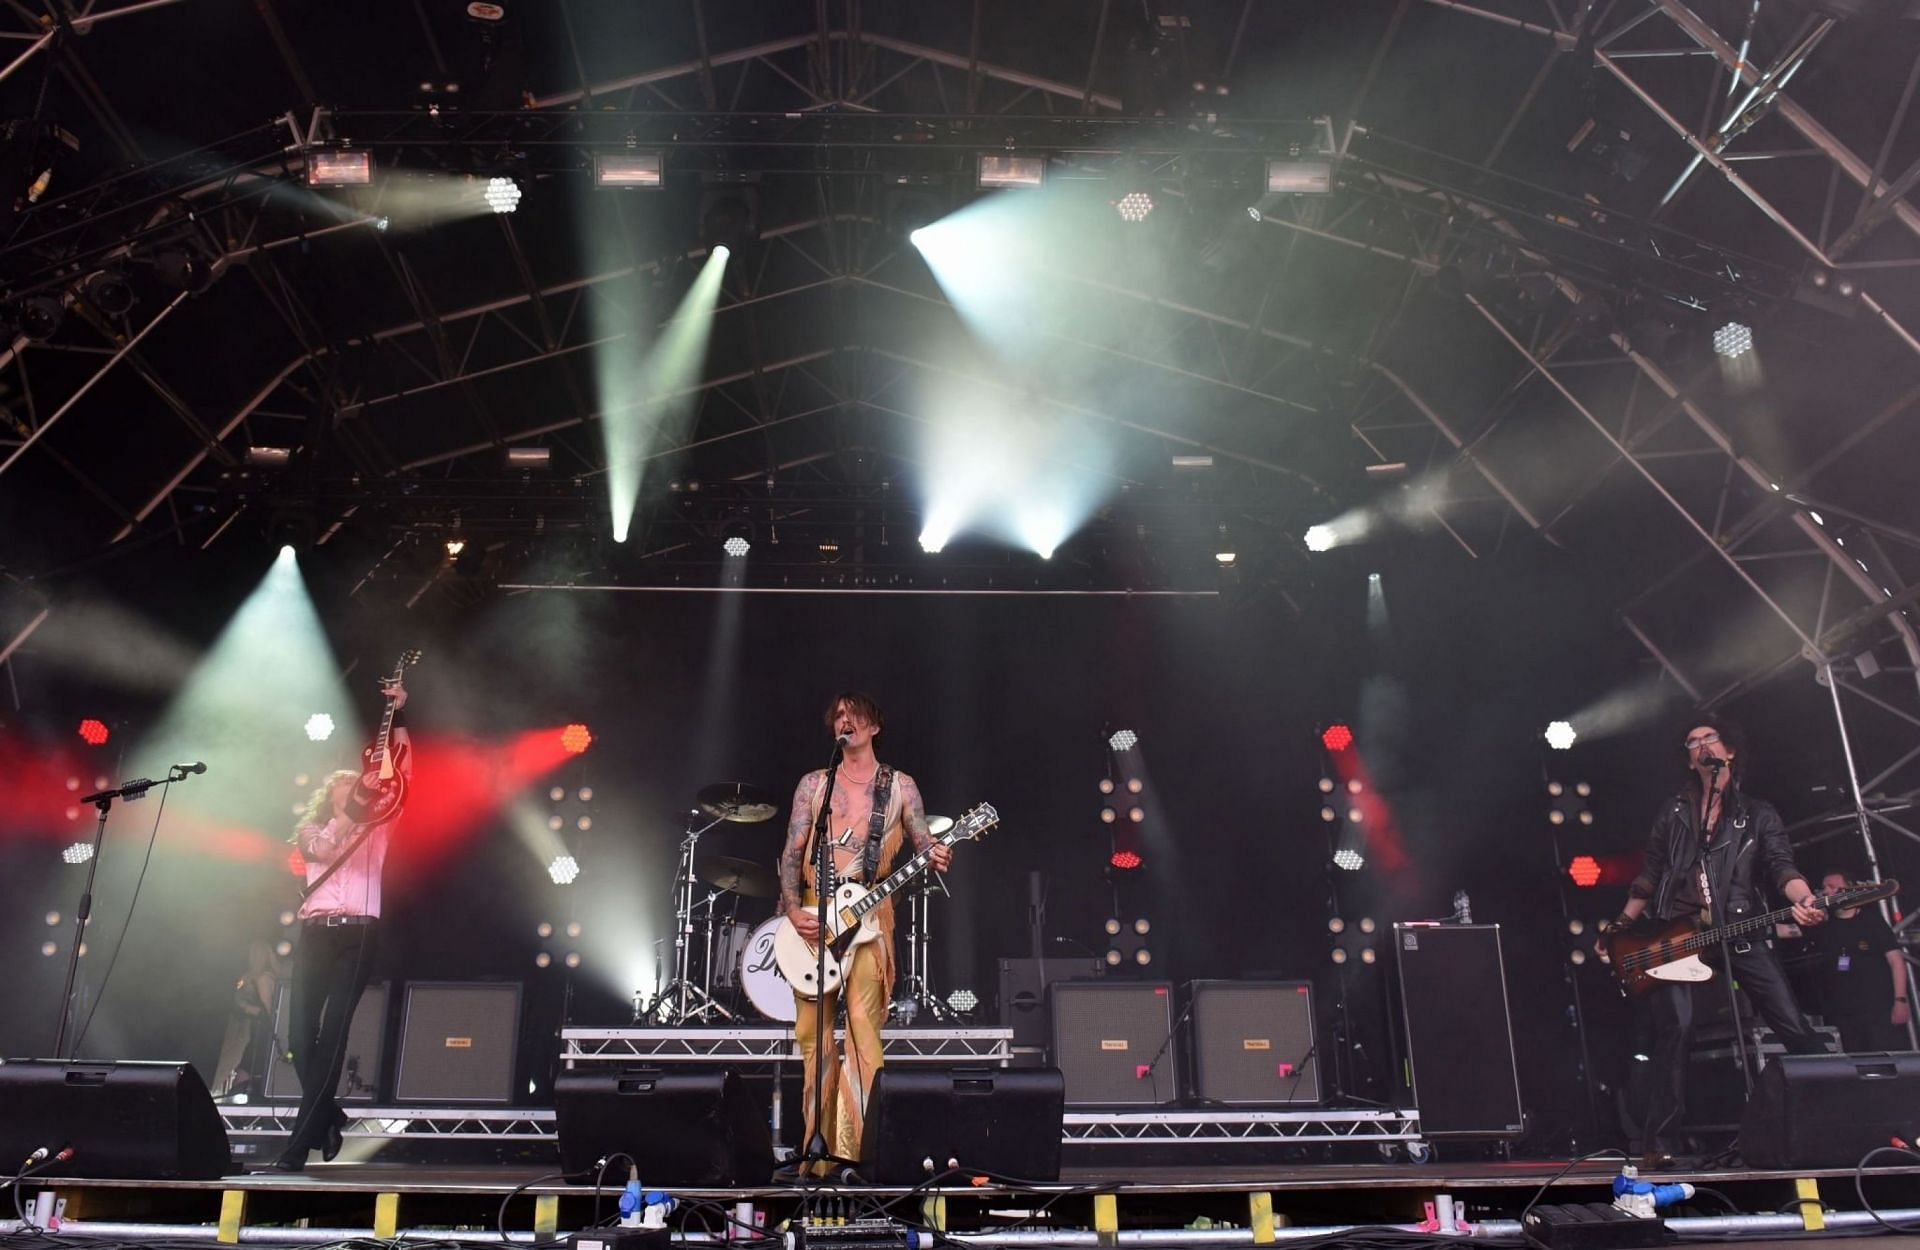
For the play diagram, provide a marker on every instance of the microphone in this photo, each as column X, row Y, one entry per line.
column 841, row 740
column 1714, row 762
column 195, row 767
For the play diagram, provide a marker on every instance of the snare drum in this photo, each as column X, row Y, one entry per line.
column 760, row 976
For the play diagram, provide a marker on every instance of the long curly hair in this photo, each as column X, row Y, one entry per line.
column 319, row 802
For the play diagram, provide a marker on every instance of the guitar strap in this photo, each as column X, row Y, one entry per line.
column 877, row 827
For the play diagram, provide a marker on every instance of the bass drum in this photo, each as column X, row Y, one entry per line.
column 760, row 976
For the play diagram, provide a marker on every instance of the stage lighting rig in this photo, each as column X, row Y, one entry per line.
column 1011, row 169
column 339, row 168
column 633, row 170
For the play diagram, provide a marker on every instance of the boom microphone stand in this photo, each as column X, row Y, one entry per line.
column 103, row 801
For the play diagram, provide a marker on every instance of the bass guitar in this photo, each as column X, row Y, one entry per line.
column 850, row 919
column 1645, row 955
column 382, row 789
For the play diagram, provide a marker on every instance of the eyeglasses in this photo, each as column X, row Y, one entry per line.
column 1703, row 740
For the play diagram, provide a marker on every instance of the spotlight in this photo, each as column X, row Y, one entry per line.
column 1005, row 169
column 1366, row 955
column 963, row 1000
column 1224, row 559
column 729, row 216
column 1135, row 785
column 1339, row 954
column 1142, row 927
column 502, row 194
column 1576, row 926
column 557, row 793
column 1576, row 957
column 1733, row 340
column 556, row 822
column 1299, row 177
column 1349, row 858
column 339, row 169
column 1112, row 926
column 78, row 853
column 543, row 929
column 574, row 929
column 1319, row 538
column 1326, row 785
column 584, row 823
column 1560, row 735
column 736, row 546
column 1585, row 871
column 269, row 457
column 1106, row 785
column 53, row 918
column 1143, row 956
column 1136, row 814
column 283, row 948
column 644, row 171
column 1367, row 925
column 287, row 918
column 1113, row 959
column 184, row 271
column 586, row 794
column 93, row 732
column 1329, row 815
column 40, row 317
column 1134, row 207
column 48, row 948
column 932, row 543
column 455, row 546
column 1123, row 740
column 576, row 738
column 108, row 291
column 1336, row 925
column 1108, row 815
column 1354, row 786
column 563, row 869
column 1337, row 737
column 319, row 727
column 573, row 959
column 542, row 960
column 1126, row 861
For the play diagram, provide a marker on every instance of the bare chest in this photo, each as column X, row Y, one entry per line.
column 850, row 826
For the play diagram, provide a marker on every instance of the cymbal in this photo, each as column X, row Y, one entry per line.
column 743, row 876
column 739, row 801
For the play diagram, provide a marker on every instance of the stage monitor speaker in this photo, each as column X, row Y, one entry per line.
column 457, row 1042
column 1459, row 1031
column 366, row 1047
column 1003, row 1122
column 131, row 1120
column 1827, row 1111
column 1106, row 1037
column 1253, row 1042
column 1023, row 994
column 688, row 1128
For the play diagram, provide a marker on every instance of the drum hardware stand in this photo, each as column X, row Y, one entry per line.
column 917, row 986
column 681, row 1000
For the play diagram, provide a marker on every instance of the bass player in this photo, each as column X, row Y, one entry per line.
column 1712, row 852
column 874, row 809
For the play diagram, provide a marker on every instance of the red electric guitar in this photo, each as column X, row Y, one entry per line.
column 382, row 789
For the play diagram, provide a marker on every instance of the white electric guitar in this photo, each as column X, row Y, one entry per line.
column 850, row 920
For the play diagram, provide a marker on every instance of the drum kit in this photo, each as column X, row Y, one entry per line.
column 722, row 954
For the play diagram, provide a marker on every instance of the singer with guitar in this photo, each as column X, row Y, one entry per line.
column 873, row 810
column 343, row 838
column 1713, row 851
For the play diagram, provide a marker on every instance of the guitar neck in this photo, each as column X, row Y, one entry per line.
column 1764, row 922
column 903, row 874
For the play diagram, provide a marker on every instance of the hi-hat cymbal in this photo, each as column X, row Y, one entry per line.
column 743, row 876
column 739, row 801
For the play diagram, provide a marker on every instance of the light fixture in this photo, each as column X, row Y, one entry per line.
column 40, row 317
column 319, row 727
column 963, row 1000
column 563, row 869
column 1584, row 870
column 1560, row 735
column 269, row 457
column 1349, row 858
column 455, row 546
column 339, row 168
column 529, row 457
column 1134, row 207
column 1006, row 169
column 633, row 170
column 736, row 546
column 573, row 959
column 109, row 291
column 1295, row 177
column 1733, row 340
column 575, row 738
column 1336, row 737
column 1319, row 538
column 1123, row 740
column 502, row 194
column 78, row 853
column 1193, row 462
column 94, row 733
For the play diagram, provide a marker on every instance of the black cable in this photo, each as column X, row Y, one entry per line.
column 500, row 1218
column 1860, row 1186
column 600, row 1178
column 100, row 991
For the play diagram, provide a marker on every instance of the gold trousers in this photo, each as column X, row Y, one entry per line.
column 849, row 1075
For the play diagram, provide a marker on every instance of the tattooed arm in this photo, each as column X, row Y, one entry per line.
column 794, row 855
column 913, row 811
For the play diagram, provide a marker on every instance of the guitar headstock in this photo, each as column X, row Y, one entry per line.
column 975, row 823
column 1860, row 895
column 408, row 658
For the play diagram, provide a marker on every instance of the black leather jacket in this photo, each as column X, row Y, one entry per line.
column 1756, row 855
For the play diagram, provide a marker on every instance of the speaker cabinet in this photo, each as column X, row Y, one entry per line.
column 131, row 1120
column 998, row 1121
column 366, row 1048
column 1253, row 1042
column 1459, row 1031
column 690, row 1128
column 457, row 1043
column 1106, row 1036
column 1023, row 994
column 1827, row 1111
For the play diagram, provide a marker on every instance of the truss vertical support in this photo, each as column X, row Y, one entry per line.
column 1864, row 825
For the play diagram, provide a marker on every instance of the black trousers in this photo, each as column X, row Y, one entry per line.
column 330, row 970
column 1868, row 1031
column 1765, row 985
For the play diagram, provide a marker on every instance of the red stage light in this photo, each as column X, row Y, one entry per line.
column 296, row 862
column 1126, row 860
column 576, row 738
column 95, row 732
column 1585, row 870
column 1337, row 738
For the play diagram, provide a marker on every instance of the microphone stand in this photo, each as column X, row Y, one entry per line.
column 816, row 1150
column 1158, row 1055
column 102, row 801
